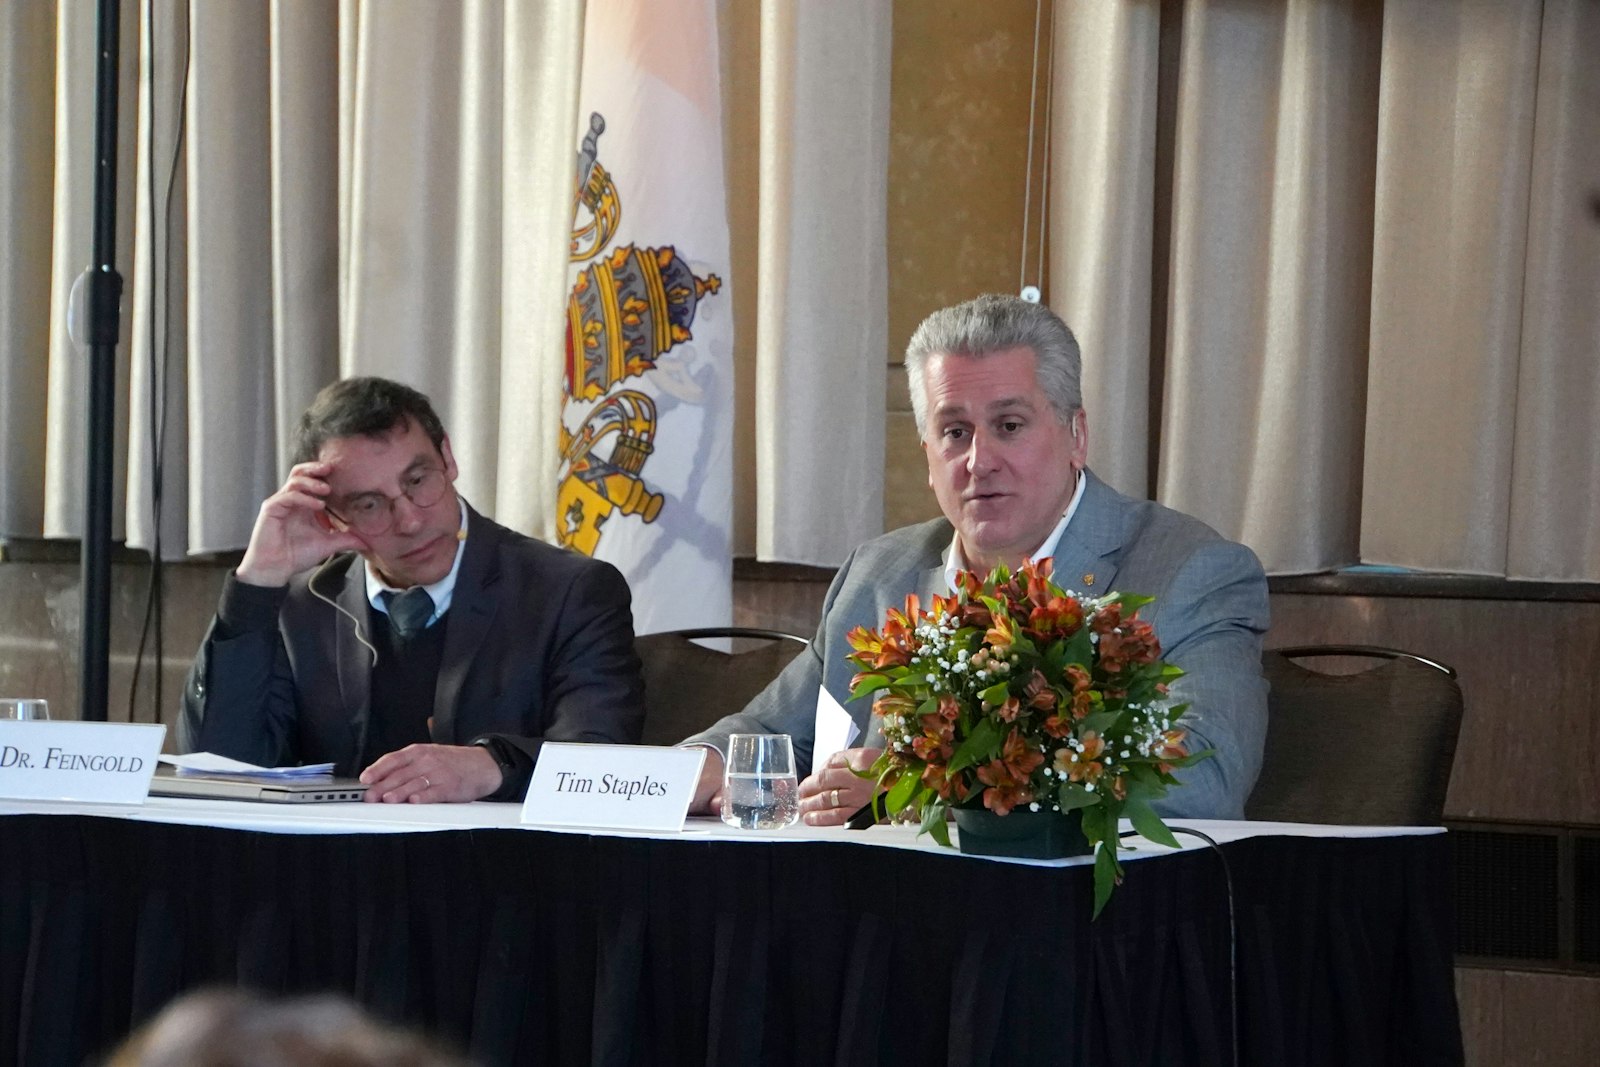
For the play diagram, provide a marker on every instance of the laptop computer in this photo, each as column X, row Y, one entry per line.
column 322, row 789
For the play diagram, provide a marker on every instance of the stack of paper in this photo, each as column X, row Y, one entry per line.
column 214, row 766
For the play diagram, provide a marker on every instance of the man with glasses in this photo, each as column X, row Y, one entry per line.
column 379, row 623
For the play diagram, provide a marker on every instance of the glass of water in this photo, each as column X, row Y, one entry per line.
column 24, row 710
column 759, row 791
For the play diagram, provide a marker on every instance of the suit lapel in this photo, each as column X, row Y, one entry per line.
column 1086, row 558
column 472, row 609
column 354, row 660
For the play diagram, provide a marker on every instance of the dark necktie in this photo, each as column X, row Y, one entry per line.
column 409, row 612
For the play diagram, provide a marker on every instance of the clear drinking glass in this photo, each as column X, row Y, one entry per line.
column 24, row 709
column 759, row 791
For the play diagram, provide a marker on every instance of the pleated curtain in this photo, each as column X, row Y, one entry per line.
column 359, row 188
column 386, row 188
column 1335, row 272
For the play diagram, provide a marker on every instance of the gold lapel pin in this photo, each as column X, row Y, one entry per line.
column 1088, row 579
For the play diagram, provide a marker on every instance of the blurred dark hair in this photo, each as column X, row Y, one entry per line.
column 225, row 1028
column 363, row 407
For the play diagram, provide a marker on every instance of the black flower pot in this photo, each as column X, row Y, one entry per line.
column 1033, row 835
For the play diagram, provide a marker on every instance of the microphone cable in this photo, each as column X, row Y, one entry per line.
column 1233, row 930
column 155, row 590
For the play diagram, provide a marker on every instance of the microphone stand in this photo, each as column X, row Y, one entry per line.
column 105, row 300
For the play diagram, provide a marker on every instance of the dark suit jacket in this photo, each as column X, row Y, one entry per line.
column 1210, row 613
column 538, row 647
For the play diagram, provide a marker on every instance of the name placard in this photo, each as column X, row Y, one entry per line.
column 612, row 787
column 101, row 762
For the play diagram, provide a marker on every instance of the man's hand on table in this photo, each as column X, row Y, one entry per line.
column 833, row 792
column 426, row 774
column 708, row 792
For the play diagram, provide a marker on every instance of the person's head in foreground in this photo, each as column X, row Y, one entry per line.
column 224, row 1028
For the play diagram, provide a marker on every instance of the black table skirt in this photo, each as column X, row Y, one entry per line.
column 530, row 947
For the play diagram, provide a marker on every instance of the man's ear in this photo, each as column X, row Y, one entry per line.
column 450, row 469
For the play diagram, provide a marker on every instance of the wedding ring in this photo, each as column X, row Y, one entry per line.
column 835, row 803
column 425, row 783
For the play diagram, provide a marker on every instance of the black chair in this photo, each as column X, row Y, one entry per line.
column 1371, row 748
column 688, row 686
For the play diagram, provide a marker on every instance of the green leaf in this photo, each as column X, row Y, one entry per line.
column 982, row 744
column 1192, row 758
column 1148, row 823
column 904, row 789
column 1072, row 796
column 933, row 821
column 869, row 684
column 1106, row 871
column 1094, row 823
column 996, row 694
column 1100, row 722
column 1080, row 649
column 1132, row 602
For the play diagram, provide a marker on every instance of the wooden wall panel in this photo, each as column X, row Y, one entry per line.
column 1525, row 1017
column 1530, row 674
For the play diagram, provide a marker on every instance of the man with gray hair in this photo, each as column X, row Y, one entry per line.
column 995, row 389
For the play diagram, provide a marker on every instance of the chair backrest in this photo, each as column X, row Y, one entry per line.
column 1371, row 748
column 688, row 686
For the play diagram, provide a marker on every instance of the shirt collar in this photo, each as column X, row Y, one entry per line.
column 441, row 591
column 955, row 562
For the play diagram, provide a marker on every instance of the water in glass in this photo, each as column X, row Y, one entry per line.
column 759, row 790
column 760, row 801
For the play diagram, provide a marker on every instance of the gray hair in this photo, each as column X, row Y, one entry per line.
column 994, row 323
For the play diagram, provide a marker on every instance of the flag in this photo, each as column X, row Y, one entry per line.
column 646, row 476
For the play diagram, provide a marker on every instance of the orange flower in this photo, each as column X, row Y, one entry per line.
column 1008, row 711
column 934, row 777
column 1077, row 677
column 1040, row 696
column 887, row 704
column 1082, row 704
column 1057, row 726
column 864, row 640
column 1060, row 615
column 949, row 707
column 1019, row 757
column 1171, row 747
column 1087, row 767
column 1005, row 791
column 1038, row 579
column 878, row 651
column 1000, row 635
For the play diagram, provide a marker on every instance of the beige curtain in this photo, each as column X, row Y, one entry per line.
column 822, row 304
column 362, row 188
column 27, row 181
column 1328, row 261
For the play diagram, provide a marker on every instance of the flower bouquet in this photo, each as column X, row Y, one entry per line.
column 1013, row 695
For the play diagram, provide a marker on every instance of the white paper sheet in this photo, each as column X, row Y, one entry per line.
column 208, row 763
column 834, row 730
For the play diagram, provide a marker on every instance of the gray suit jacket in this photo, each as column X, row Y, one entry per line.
column 1210, row 613
column 539, row 647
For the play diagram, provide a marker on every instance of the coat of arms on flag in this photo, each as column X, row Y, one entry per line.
column 646, row 471
column 625, row 310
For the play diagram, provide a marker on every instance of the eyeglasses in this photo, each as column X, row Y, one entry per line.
column 373, row 513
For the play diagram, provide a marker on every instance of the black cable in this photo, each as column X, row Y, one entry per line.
column 155, row 592
column 1233, row 930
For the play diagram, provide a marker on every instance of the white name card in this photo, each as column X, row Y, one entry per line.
column 612, row 787
column 100, row 762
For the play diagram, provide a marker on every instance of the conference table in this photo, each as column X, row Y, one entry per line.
column 721, row 946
